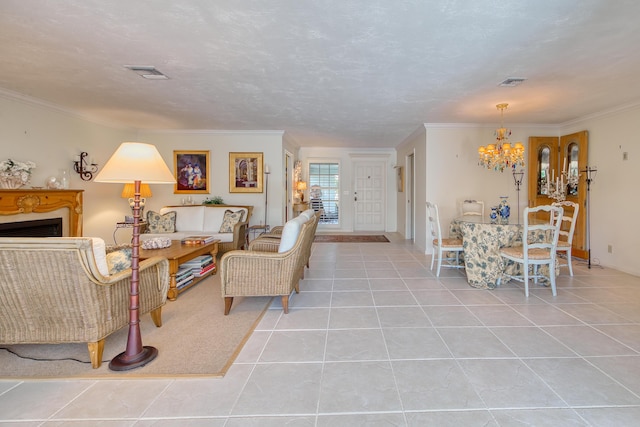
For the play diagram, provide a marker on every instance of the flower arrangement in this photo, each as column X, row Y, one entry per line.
column 14, row 174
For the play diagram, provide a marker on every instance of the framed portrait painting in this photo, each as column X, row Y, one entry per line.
column 245, row 172
column 191, row 169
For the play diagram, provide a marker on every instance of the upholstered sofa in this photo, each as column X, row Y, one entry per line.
column 270, row 267
column 63, row 290
column 227, row 223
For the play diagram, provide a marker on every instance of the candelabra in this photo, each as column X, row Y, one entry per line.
column 517, row 180
column 591, row 174
column 84, row 168
column 558, row 190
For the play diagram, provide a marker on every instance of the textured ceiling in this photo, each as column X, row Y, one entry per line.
column 356, row 73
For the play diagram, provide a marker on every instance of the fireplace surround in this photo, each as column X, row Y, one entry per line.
column 27, row 201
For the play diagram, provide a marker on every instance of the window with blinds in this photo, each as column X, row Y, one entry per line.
column 324, row 191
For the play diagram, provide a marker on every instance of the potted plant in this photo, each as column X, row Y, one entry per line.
column 215, row 200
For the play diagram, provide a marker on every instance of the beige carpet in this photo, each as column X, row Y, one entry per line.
column 195, row 339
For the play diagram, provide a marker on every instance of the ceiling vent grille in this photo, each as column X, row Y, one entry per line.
column 147, row 72
column 512, row 81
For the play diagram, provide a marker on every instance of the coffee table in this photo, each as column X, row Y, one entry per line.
column 177, row 254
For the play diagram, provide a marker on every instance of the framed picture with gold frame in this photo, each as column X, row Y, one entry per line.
column 245, row 172
column 191, row 169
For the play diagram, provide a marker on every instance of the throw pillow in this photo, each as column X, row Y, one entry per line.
column 157, row 223
column 230, row 220
column 119, row 260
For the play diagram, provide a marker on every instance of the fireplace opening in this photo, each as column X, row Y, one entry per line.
column 51, row 227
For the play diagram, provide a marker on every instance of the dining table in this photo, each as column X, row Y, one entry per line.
column 482, row 239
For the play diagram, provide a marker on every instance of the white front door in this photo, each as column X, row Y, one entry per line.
column 369, row 195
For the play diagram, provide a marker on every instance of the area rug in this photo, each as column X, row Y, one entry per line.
column 349, row 238
column 196, row 339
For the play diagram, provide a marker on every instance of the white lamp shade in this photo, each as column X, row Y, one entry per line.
column 136, row 161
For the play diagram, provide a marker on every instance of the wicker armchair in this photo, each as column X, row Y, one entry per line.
column 263, row 271
column 276, row 233
column 52, row 291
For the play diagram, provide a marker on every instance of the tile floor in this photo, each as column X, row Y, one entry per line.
column 374, row 339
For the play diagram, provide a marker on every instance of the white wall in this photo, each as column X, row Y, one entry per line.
column 614, row 191
column 346, row 156
column 53, row 138
column 453, row 173
column 415, row 144
column 220, row 144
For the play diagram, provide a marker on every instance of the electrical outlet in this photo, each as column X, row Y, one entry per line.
column 610, row 249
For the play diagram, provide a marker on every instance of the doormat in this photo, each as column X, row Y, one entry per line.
column 349, row 238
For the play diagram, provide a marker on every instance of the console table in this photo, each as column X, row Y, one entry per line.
column 35, row 200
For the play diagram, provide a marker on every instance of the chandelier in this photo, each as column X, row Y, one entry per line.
column 501, row 155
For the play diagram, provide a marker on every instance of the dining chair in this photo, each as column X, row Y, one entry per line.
column 473, row 207
column 539, row 244
column 442, row 245
column 567, row 228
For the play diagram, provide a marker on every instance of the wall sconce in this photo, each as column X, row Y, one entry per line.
column 83, row 168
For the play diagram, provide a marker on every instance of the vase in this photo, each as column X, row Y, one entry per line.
column 504, row 210
column 63, row 179
column 494, row 214
column 10, row 182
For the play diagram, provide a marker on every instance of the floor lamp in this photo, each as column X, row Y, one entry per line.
column 517, row 180
column 266, row 195
column 591, row 174
column 135, row 162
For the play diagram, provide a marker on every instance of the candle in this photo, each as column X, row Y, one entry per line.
column 266, row 169
column 553, row 175
column 564, row 166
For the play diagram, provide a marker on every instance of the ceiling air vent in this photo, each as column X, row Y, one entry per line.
column 512, row 81
column 147, row 72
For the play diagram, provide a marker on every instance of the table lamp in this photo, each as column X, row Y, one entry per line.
column 134, row 162
column 301, row 186
column 128, row 191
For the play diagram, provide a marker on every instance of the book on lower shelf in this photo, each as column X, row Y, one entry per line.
column 197, row 240
column 184, row 277
column 199, row 266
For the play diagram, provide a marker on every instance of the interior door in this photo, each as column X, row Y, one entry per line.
column 548, row 157
column 369, row 195
column 573, row 148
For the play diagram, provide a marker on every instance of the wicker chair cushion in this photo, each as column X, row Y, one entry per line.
column 230, row 220
column 157, row 223
column 100, row 255
column 290, row 233
column 119, row 260
column 534, row 254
